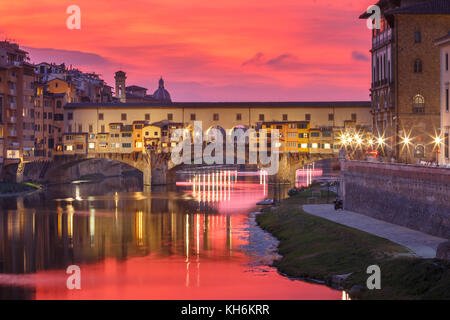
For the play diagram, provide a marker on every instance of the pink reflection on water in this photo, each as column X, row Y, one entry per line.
column 306, row 176
column 170, row 255
column 224, row 191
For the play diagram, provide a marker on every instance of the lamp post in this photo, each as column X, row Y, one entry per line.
column 437, row 142
column 406, row 142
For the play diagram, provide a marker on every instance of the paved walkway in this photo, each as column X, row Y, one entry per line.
column 422, row 244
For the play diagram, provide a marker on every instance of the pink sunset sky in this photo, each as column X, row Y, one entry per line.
column 218, row 50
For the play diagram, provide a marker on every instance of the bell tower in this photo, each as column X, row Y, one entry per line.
column 120, row 85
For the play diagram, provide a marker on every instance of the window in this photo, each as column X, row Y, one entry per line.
column 126, row 145
column 58, row 104
column 446, row 145
column 103, row 128
column 418, row 66
column 308, row 117
column 285, row 117
column 100, row 116
column 170, row 116
column 80, row 147
column 261, row 117
column 91, row 128
column 50, row 116
column 315, row 134
column 69, row 128
column 354, row 117
column 192, row 116
column 302, row 126
column 91, row 145
column 147, row 117
column 418, row 104
column 446, row 100
column 330, row 117
column 126, row 135
column 238, row 117
column 417, row 37
column 123, row 117
column 80, row 128
column 69, row 147
column 446, row 62
column 216, row 117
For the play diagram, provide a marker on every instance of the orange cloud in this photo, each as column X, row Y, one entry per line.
column 204, row 50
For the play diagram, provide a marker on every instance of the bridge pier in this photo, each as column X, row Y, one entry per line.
column 147, row 175
column 288, row 165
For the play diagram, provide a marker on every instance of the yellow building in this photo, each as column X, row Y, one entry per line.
column 152, row 136
column 138, row 140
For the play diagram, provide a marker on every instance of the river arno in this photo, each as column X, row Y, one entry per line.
column 196, row 240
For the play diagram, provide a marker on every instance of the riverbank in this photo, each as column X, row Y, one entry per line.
column 12, row 189
column 317, row 249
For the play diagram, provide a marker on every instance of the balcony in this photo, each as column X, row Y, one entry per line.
column 382, row 38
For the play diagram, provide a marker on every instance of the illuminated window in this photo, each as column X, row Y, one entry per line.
column 138, row 144
column 418, row 104
column 69, row 147
column 91, row 145
column 12, row 154
column 315, row 145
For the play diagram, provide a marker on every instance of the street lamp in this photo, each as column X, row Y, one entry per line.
column 437, row 143
column 406, row 142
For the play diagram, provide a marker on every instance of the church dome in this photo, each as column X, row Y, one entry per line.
column 161, row 94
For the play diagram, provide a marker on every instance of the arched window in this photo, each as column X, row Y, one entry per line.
column 418, row 104
column 418, row 66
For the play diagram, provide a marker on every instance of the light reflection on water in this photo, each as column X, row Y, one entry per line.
column 192, row 241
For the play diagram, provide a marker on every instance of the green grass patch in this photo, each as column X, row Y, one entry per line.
column 316, row 248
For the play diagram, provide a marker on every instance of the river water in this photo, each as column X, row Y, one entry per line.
column 195, row 240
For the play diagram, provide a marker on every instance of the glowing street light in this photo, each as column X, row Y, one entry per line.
column 437, row 146
column 406, row 141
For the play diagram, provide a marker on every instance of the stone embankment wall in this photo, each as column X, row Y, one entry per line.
column 411, row 196
column 50, row 172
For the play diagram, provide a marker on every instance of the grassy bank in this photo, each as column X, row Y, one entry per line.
column 11, row 188
column 316, row 248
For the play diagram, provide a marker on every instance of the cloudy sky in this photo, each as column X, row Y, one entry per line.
column 216, row 50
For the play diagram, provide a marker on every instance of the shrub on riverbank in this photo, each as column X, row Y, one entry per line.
column 12, row 187
column 315, row 248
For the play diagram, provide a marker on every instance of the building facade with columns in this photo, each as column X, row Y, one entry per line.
column 444, row 139
column 406, row 76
